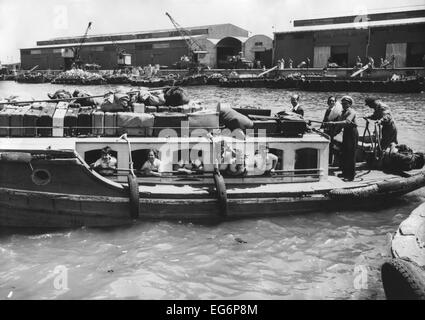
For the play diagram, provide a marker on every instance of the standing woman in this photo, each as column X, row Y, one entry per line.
column 329, row 130
column 350, row 137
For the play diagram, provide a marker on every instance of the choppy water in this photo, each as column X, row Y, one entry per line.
column 323, row 255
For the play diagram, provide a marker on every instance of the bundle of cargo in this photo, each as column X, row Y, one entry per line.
column 168, row 123
column 215, row 79
column 208, row 120
column 117, row 79
column 291, row 124
column 77, row 76
column 232, row 119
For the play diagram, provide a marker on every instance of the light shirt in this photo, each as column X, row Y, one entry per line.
column 149, row 166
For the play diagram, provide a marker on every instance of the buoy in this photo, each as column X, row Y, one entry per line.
column 133, row 187
column 220, row 187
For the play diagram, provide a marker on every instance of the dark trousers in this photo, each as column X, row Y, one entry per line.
column 350, row 138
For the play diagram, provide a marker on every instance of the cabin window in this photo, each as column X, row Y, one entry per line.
column 306, row 158
column 141, row 156
column 93, row 155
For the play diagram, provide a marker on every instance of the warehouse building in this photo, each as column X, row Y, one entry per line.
column 341, row 39
column 163, row 47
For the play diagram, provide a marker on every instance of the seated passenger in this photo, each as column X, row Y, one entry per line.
column 152, row 166
column 106, row 165
column 183, row 166
column 265, row 162
column 227, row 155
column 237, row 165
column 198, row 164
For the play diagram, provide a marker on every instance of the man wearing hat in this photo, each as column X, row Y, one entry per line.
column 382, row 116
column 347, row 122
column 296, row 108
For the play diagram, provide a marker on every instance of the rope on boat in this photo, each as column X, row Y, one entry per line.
column 354, row 193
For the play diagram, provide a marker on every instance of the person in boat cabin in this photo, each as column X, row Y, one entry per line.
column 152, row 166
column 296, row 108
column 265, row 162
column 348, row 123
column 237, row 165
column 382, row 115
column 106, row 165
column 227, row 156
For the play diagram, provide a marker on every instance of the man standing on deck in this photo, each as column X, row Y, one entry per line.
column 296, row 108
column 350, row 138
column 382, row 116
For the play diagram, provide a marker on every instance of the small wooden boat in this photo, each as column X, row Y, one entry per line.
column 403, row 277
column 47, row 182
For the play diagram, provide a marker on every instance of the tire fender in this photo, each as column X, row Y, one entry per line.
column 220, row 188
column 133, row 188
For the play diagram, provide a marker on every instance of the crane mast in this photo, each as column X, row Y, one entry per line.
column 194, row 48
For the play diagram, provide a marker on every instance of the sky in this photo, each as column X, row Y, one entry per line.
column 23, row 22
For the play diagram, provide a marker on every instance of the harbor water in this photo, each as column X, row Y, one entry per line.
column 320, row 255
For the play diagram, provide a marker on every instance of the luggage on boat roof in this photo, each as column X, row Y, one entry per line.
column 30, row 120
column 17, row 121
column 45, row 121
column 70, row 121
column 291, row 124
column 170, row 120
column 135, row 124
column 84, row 121
column 253, row 111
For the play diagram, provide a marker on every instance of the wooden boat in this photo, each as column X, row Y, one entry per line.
column 47, row 182
column 403, row 277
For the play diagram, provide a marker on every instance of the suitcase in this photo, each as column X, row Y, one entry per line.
column 151, row 109
column 135, row 124
column 58, row 120
column 163, row 109
column 271, row 127
column 170, row 120
column 45, row 121
column 110, row 124
column 98, row 123
column 139, row 107
column 290, row 126
column 5, row 114
column 30, row 120
column 84, row 121
column 17, row 121
column 70, row 122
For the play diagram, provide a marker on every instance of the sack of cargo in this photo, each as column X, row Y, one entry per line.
column 45, row 121
column 74, row 105
column 139, row 107
column 17, row 121
column 70, row 122
column 83, row 98
column 135, row 124
column 31, row 119
column 176, row 96
column 5, row 114
column 186, row 108
column 110, row 124
column 155, row 98
column 115, row 102
column 233, row 119
column 84, row 121
column 291, row 124
column 168, row 120
column 98, row 122
column 206, row 119
column 60, row 94
column 195, row 106
column 253, row 111
column 58, row 119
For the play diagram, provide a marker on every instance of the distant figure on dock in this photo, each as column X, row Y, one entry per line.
column 152, row 166
column 382, row 115
column 106, row 165
column 384, row 63
column 392, row 61
column 281, row 64
column 350, row 138
column 359, row 63
column 296, row 108
column 308, row 61
column 290, row 63
column 371, row 62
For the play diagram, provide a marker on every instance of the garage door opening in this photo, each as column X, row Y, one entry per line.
column 226, row 49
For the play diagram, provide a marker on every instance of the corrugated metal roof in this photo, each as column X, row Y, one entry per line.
column 109, row 42
column 355, row 25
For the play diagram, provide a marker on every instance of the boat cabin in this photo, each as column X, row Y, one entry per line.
column 300, row 159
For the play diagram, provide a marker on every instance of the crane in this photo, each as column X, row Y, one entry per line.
column 72, row 55
column 193, row 46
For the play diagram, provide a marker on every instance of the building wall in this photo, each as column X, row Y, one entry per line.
column 258, row 43
column 300, row 45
